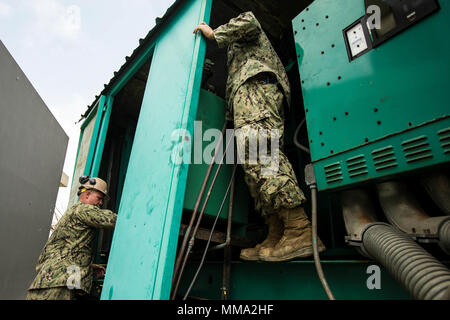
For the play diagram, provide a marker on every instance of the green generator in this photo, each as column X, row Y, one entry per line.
column 375, row 99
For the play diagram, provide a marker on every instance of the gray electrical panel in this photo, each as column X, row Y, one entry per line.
column 32, row 151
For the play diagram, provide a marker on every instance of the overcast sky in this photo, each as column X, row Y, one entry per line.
column 70, row 48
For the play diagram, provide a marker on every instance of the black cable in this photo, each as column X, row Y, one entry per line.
column 315, row 248
column 296, row 142
column 310, row 180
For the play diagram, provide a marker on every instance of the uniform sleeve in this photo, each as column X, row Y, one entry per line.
column 244, row 27
column 96, row 217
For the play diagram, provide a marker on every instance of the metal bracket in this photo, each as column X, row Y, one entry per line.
column 310, row 177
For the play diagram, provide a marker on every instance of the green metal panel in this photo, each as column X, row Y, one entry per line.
column 98, row 123
column 363, row 116
column 143, row 250
column 423, row 145
column 84, row 125
column 103, row 130
column 211, row 115
column 296, row 280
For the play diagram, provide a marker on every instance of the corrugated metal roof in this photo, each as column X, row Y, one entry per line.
column 152, row 34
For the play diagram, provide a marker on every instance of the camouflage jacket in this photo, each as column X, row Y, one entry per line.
column 249, row 53
column 71, row 244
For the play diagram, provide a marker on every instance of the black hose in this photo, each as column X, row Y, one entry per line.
column 421, row 274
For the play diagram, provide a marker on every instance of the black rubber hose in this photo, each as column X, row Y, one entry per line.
column 420, row 273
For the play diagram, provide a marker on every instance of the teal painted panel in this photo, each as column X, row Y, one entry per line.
column 144, row 244
column 103, row 130
column 402, row 84
column 297, row 280
column 94, row 139
column 211, row 115
column 414, row 149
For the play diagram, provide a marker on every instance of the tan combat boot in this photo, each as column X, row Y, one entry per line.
column 275, row 233
column 296, row 241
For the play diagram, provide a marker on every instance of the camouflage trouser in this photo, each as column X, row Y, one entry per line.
column 258, row 107
column 59, row 293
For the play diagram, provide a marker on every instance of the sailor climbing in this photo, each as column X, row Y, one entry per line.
column 257, row 88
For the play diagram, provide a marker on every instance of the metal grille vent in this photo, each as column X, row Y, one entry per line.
column 417, row 149
column 333, row 172
column 384, row 158
column 444, row 137
column 357, row 166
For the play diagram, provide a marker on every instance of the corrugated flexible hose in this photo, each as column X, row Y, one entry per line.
column 421, row 274
column 444, row 236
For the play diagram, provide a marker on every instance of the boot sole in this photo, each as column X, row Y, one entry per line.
column 253, row 258
column 301, row 253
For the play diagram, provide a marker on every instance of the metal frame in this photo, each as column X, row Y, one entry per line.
column 363, row 22
column 94, row 139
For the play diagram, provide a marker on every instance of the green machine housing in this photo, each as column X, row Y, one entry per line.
column 376, row 100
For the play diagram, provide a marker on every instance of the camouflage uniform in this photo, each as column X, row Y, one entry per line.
column 254, row 104
column 60, row 293
column 70, row 245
